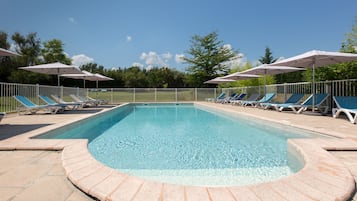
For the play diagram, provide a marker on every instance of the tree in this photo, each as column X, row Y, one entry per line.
column 268, row 57
column 53, row 52
column 29, row 47
column 350, row 43
column 207, row 54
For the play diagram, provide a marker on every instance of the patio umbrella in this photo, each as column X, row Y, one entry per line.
column 85, row 76
column 239, row 76
column 219, row 80
column 316, row 58
column 53, row 69
column 101, row 77
column 4, row 52
column 266, row 69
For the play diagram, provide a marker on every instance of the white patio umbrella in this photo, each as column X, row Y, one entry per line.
column 53, row 69
column 101, row 77
column 4, row 52
column 266, row 69
column 219, row 80
column 85, row 76
column 239, row 76
column 316, row 58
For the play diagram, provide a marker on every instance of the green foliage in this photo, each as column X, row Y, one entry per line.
column 350, row 43
column 207, row 53
column 268, row 57
column 53, row 52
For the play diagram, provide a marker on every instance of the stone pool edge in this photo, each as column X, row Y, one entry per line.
column 322, row 178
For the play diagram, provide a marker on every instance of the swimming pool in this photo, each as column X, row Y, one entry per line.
column 186, row 144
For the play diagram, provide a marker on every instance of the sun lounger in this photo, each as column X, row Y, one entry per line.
column 237, row 97
column 294, row 99
column 224, row 100
column 30, row 108
column 267, row 98
column 83, row 101
column 64, row 106
column 252, row 97
column 100, row 102
column 220, row 96
column 347, row 105
column 307, row 104
column 60, row 100
column 2, row 115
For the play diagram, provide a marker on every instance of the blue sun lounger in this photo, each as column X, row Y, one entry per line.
column 31, row 108
column 267, row 98
column 64, row 106
column 347, row 105
column 252, row 97
column 294, row 99
column 2, row 115
column 220, row 96
column 237, row 97
column 307, row 104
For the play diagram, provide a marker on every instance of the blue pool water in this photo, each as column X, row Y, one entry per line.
column 185, row 144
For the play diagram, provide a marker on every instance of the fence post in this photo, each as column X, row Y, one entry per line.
column 155, row 95
column 328, row 91
column 196, row 94
column 111, row 96
column 285, row 90
column 176, row 94
column 37, row 93
column 134, row 95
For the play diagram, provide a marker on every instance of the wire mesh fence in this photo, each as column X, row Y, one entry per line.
column 121, row 95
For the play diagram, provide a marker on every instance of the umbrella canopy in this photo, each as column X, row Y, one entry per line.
column 102, row 78
column 53, row 69
column 316, row 58
column 266, row 69
column 219, row 80
column 85, row 76
column 240, row 76
column 4, row 52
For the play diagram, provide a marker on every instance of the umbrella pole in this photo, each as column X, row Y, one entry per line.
column 265, row 82
column 84, row 83
column 58, row 80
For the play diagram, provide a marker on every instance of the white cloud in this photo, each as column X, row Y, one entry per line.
column 71, row 20
column 166, row 56
column 129, row 38
column 227, row 46
column 81, row 59
column 179, row 58
column 153, row 59
column 137, row 64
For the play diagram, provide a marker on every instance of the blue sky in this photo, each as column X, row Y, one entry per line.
column 120, row 33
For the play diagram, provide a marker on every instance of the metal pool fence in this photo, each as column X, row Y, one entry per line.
column 121, row 95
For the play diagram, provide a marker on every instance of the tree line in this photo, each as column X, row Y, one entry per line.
column 206, row 57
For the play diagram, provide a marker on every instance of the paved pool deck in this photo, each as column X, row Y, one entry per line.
column 38, row 169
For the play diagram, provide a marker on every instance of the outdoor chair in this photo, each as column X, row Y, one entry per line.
column 307, row 104
column 31, row 108
column 237, row 97
column 294, row 99
column 224, row 100
column 99, row 101
column 267, row 98
column 252, row 97
column 347, row 105
column 2, row 115
column 83, row 101
column 49, row 101
column 220, row 96
column 60, row 100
